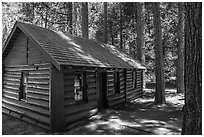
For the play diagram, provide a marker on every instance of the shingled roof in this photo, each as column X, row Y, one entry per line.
column 64, row 49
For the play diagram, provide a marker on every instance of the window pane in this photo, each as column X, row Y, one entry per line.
column 78, row 87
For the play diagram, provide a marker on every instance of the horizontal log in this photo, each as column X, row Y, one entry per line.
column 79, row 116
column 122, row 83
column 78, row 109
column 38, row 91
column 38, row 76
column 129, row 86
column 139, row 81
column 122, row 86
column 121, row 75
column 39, row 72
column 37, row 96
column 133, row 97
column 24, row 105
column 69, row 101
column 121, row 78
column 128, row 78
column 110, row 93
column 27, row 113
column 11, row 90
column 68, row 95
column 92, row 97
column 41, row 65
column 38, row 86
column 110, row 77
column 69, row 88
column 115, row 97
column 133, row 91
column 11, row 96
column 91, row 83
column 14, row 73
column 91, row 91
column 116, row 102
column 18, row 76
column 110, row 80
column 14, row 87
column 11, row 113
column 110, row 85
column 91, row 86
column 36, row 123
column 122, row 90
column 38, row 102
column 69, row 77
column 19, row 69
column 109, row 71
column 39, row 81
column 111, row 89
column 68, row 84
column 90, row 76
column 93, row 80
column 68, row 71
column 7, row 82
column 12, row 79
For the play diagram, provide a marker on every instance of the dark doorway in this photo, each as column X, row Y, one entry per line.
column 102, row 89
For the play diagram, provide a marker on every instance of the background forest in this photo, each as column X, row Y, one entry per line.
column 122, row 21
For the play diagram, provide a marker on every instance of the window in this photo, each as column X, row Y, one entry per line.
column 116, row 82
column 80, row 86
column 23, row 85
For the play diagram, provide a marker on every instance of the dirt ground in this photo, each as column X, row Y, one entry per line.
column 140, row 117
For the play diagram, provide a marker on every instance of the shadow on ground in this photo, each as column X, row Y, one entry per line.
column 140, row 117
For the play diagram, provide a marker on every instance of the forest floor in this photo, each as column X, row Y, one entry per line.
column 139, row 117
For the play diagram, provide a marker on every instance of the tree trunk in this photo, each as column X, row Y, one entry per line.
column 140, row 32
column 46, row 18
column 192, row 118
column 85, row 33
column 180, row 60
column 140, row 36
column 121, row 28
column 69, row 17
column 158, row 48
column 105, row 23
column 111, row 32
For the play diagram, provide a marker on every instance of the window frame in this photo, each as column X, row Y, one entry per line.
column 23, row 86
column 83, row 87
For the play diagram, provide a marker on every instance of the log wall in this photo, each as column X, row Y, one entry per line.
column 36, row 107
column 77, row 110
column 115, row 98
column 25, row 56
column 133, row 92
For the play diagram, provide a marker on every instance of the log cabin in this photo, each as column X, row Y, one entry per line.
column 52, row 79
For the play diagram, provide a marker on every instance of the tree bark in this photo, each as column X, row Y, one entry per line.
column 111, row 32
column 85, row 33
column 105, row 23
column 158, row 48
column 180, row 50
column 192, row 118
column 69, row 17
column 140, row 32
column 140, row 36
column 121, row 27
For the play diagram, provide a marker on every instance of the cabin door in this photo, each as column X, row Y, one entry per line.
column 102, row 89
